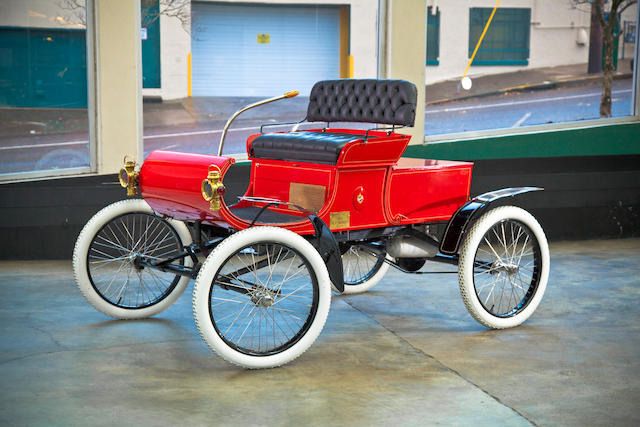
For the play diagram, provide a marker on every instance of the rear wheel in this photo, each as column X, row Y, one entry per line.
column 503, row 268
column 107, row 254
column 362, row 269
column 262, row 297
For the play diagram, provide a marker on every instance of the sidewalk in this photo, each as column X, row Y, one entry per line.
column 525, row 80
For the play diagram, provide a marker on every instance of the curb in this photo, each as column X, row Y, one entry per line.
column 529, row 87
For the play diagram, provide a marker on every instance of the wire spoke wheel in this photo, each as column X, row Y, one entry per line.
column 507, row 268
column 110, row 256
column 359, row 265
column 362, row 269
column 263, row 299
column 114, row 254
column 503, row 267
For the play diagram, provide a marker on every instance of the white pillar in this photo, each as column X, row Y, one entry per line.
column 117, row 83
column 406, row 27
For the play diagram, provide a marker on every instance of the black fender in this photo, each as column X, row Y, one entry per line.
column 327, row 246
column 323, row 240
column 464, row 216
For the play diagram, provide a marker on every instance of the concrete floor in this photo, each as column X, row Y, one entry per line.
column 405, row 353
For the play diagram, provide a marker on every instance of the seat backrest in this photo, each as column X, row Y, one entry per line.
column 391, row 102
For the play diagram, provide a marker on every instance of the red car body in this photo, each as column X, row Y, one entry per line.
column 370, row 186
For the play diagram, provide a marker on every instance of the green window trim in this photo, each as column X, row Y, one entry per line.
column 433, row 37
column 507, row 39
column 597, row 140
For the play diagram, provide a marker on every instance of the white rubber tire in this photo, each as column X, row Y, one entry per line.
column 368, row 283
column 213, row 263
column 466, row 262
column 81, row 250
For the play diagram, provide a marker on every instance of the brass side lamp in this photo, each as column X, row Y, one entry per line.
column 212, row 188
column 128, row 176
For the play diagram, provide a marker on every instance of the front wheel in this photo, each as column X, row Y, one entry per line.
column 261, row 297
column 503, row 267
column 106, row 255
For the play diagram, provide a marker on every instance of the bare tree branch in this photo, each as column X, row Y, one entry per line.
column 626, row 6
column 179, row 9
column 76, row 9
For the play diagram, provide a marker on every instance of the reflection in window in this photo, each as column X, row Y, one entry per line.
column 43, row 80
column 531, row 67
column 231, row 54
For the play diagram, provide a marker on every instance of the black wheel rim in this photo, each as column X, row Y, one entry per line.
column 263, row 299
column 111, row 260
column 507, row 268
column 359, row 265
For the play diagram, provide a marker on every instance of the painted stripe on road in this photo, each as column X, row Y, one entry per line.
column 522, row 119
column 52, row 144
column 164, row 135
column 206, row 132
column 531, row 101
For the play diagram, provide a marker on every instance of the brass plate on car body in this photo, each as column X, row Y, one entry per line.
column 308, row 196
column 339, row 220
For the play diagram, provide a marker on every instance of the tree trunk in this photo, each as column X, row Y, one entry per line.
column 595, row 41
column 607, row 81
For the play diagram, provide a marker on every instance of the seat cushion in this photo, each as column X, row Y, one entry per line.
column 314, row 147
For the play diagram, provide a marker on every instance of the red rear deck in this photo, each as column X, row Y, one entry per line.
column 421, row 190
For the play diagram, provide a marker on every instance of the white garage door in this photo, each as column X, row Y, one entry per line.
column 262, row 50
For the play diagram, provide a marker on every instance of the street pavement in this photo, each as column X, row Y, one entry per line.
column 35, row 139
column 525, row 108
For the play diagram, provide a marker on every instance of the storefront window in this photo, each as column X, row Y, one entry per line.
column 44, row 126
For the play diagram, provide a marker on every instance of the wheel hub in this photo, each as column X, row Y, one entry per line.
column 263, row 298
column 136, row 260
column 507, row 267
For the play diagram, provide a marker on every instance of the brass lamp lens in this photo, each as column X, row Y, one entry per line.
column 207, row 191
column 123, row 177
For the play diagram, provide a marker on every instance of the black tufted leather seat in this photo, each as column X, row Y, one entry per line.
column 391, row 102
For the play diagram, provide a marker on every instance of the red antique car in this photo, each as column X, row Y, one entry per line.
column 325, row 209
